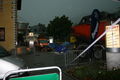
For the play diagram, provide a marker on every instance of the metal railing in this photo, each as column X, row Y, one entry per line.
column 72, row 54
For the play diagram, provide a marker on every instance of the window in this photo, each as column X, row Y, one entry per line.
column 2, row 34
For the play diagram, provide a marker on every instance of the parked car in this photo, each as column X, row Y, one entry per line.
column 9, row 62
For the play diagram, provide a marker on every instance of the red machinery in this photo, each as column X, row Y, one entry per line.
column 83, row 30
column 83, row 34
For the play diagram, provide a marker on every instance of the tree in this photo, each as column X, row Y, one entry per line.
column 42, row 28
column 39, row 28
column 59, row 28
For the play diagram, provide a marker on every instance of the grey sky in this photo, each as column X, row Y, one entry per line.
column 35, row 11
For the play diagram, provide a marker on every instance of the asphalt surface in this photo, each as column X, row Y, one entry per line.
column 45, row 59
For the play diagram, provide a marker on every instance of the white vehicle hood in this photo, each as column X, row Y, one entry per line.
column 9, row 63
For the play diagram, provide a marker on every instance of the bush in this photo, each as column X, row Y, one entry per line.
column 94, row 71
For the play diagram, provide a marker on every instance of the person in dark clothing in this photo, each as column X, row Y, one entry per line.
column 95, row 20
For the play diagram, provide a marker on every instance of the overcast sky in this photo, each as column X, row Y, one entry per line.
column 42, row 11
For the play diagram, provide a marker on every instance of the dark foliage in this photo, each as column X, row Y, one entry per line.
column 59, row 28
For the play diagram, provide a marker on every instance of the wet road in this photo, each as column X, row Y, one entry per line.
column 45, row 59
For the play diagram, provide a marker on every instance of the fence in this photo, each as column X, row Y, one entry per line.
column 70, row 55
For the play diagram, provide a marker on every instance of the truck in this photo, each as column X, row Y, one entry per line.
column 82, row 34
column 42, row 44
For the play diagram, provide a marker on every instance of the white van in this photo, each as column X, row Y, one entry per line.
column 9, row 62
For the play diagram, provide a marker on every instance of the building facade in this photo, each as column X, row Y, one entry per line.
column 8, row 19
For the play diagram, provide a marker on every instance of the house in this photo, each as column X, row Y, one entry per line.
column 8, row 20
